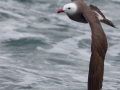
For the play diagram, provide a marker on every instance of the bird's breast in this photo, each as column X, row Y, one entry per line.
column 78, row 18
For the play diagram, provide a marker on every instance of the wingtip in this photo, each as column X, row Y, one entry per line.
column 108, row 22
column 115, row 27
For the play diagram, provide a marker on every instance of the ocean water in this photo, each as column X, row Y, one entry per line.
column 43, row 50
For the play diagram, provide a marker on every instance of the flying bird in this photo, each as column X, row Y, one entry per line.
column 79, row 11
column 72, row 11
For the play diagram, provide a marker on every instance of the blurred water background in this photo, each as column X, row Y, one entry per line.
column 41, row 50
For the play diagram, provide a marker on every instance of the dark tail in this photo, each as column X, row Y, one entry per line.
column 108, row 22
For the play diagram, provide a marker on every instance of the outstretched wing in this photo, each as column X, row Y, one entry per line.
column 96, row 70
column 98, row 50
column 97, row 10
column 101, row 16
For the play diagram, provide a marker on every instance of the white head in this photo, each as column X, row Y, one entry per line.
column 69, row 9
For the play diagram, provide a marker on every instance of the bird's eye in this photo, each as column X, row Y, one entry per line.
column 69, row 8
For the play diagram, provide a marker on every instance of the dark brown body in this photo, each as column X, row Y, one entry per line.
column 78, row 17
column 98, row 47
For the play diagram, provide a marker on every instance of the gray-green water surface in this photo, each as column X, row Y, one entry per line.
column 43, row 50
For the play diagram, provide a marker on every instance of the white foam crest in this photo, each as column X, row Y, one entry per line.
column 28, row 79
column 11, row 13
column 8, row 32
column 112, row 80
column 107, row 64
column 114, row 50
column 5, row 56
column 82, row 78
column 70, row 48
column 116, row 0
column 20, row 69
column 114, row 33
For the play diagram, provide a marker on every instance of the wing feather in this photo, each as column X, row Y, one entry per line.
column 98, row 49
column 97, row 9
column 106, row 21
